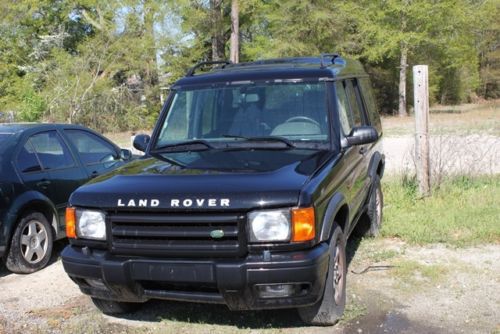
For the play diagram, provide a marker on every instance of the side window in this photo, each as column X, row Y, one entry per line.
column 51, row 151
column 370, row 103
column 91, row 148
column 354, row 101
column 345, row 121
column 27, row 160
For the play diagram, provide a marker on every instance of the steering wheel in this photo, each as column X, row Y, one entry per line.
column 302, row 119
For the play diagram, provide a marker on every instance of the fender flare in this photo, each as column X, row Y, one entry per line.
column 22, row 202
column 336, row 202
column 376, row 159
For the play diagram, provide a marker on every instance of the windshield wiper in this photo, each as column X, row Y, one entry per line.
column 190, row 145
column 263, row 139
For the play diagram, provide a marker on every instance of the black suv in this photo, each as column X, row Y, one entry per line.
column 254, row 177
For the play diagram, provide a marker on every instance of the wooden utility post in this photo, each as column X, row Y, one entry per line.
column 235, row 32
column 421, row 102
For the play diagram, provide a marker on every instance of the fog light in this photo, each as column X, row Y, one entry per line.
column 96, row 283
column 276, row 290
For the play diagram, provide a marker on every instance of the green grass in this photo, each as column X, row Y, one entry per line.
column 414, row 273
column 462, row 212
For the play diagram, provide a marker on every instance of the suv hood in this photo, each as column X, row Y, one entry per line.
column 207, row 180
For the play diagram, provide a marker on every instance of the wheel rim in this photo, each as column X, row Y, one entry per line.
column 34, row 242
column 338, row 275
column 378, row 206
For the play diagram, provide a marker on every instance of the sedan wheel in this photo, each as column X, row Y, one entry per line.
column 31, row 245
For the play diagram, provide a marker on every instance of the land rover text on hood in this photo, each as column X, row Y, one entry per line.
column 252, row 180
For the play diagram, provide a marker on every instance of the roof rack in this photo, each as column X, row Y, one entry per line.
column 193, row 69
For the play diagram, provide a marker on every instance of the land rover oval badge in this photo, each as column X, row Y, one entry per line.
column 217, row 234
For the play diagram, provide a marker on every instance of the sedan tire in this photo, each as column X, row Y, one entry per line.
column 31, row 246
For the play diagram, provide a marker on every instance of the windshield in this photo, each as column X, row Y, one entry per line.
column 282, row 113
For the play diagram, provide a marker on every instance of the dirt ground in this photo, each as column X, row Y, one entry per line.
column 392, row 288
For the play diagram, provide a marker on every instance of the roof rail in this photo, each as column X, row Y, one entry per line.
column 324, row 55
column 193, row 69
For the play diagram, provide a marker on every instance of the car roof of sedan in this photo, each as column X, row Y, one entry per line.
column 21, row 127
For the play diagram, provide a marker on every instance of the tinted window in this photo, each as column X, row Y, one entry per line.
column 354, row 102
column 91, row 148
column 343, row 106
column 27, row 160
column 370, row 103
column 53, row 154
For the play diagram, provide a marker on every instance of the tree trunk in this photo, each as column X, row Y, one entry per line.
column 402, row 81
column 235, row 32
column 217, row 34
column 150, row 76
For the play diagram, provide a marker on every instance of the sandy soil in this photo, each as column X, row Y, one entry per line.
column 392, row 288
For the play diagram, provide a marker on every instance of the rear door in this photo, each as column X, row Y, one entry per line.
column 30, row 169
column 64, row 173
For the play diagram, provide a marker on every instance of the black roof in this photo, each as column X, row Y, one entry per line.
column 21, row 127
column 272, row 69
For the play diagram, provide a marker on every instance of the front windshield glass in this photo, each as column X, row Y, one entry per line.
column 296, row 111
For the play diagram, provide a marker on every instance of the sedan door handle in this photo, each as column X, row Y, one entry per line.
column 94, row 174
column 43, row 184
column 362, row 150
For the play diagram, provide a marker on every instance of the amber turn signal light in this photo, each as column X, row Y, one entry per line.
column 303, row 224
column 70, row 223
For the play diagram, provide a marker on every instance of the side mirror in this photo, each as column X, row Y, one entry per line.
column 125, row 154
column 361, row 135
column 141, row 142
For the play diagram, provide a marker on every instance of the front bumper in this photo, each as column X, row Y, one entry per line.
column 236, row 283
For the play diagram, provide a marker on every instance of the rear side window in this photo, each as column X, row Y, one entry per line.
column 27, row 160
column 91, row 148
column 370, row 103
column 51, row 151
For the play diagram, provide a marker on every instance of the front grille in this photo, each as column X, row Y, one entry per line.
column 176, row 234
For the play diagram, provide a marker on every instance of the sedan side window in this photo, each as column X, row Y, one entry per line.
column 91, row 148
column 51, row 151
column 27, row 160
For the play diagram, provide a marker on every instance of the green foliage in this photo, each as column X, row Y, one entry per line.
column 463, row 211
column 105, row 64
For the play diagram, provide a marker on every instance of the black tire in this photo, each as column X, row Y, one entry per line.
column 31, row 246
column 330, row 308
column 375, row 208
column 112, row 307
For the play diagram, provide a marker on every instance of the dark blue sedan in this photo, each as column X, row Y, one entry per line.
column 40, row 166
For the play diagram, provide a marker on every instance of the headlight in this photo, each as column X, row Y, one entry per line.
column 269, row 225
column 91, row 224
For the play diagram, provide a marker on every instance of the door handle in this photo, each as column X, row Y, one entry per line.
column 363, row 150
column 94, row 174
column 43, row 184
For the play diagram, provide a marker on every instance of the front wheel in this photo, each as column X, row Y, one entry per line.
column 328, row 310
column 31, row 245
column 114, row 307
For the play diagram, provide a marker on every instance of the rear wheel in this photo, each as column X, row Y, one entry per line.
column 328, row 310
column 31, row 245
column 113, row 307
column 375, row 206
